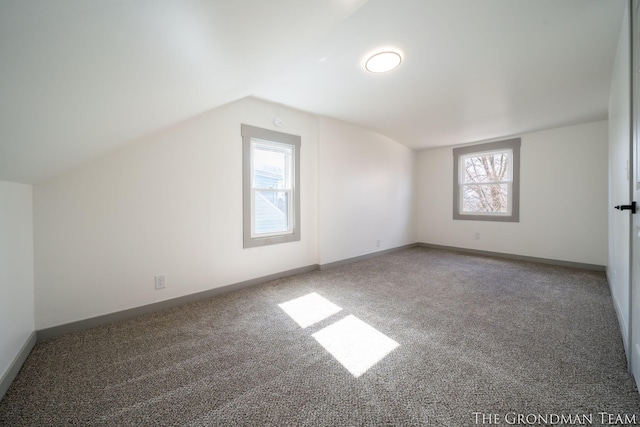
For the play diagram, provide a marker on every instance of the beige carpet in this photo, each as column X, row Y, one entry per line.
column 474, row 336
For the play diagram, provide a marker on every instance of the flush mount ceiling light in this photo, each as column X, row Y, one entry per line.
column 383, row 61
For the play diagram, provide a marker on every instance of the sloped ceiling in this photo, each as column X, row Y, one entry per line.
column 79, row 78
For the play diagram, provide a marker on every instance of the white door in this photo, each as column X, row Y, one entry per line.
column 634, row 324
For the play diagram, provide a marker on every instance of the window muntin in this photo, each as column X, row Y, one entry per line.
column 271, row 187
column 487, row 181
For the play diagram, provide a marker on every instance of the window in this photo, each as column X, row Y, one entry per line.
column 271, row 181
column 486, row 181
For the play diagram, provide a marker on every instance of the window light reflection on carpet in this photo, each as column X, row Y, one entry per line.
column 354, row 343
column 309, row 309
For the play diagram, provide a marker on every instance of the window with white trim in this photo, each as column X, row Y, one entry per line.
column 487, row 181
column 271, row 181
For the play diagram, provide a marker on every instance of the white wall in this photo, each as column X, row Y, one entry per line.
column 16, row 270
column 619, row 185
column 172, row 204
column 563, row 199
column 366, row 192
column 169, row 204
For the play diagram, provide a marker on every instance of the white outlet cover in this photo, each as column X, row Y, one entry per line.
column 161, row 282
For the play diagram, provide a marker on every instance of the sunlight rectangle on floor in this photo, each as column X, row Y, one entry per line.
column 309, row 309
column 355, row 344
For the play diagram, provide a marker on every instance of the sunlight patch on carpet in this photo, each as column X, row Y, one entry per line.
column 355, row 344
column 309, row 309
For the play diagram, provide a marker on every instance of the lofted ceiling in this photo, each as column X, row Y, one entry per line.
column 79, row 78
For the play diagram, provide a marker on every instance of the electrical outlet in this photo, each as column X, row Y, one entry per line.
column 476, row 236
column 161, row 282
column 378, row 243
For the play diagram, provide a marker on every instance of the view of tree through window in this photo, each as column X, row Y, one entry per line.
column 485, row 182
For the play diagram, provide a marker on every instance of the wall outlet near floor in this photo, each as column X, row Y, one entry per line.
column 476, row 236
column 161, row 282
column 377, row 243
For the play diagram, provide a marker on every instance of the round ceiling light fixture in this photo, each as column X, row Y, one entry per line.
column 383, row 61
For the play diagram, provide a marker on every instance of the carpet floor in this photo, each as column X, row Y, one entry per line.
column 416, row 337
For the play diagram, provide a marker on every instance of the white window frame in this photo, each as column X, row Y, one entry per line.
column 253, row 137
column 289, row 151
column 512, row 148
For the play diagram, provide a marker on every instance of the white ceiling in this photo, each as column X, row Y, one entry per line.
column 79, row 78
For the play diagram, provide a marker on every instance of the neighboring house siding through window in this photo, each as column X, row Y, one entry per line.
column 271, row 186
column 270, row 208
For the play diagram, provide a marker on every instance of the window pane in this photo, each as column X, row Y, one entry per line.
column 485, row 198
column 270, row 187
column 490, row 167
column 271, row 210
column 486, row 181
column 271, row 166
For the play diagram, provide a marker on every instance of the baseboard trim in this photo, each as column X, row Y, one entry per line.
column 623, row 329
column 549, row 261
column 366, row 256
column 55, row 331
column 80, row 325
column 18, row 361
column 621, row 323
